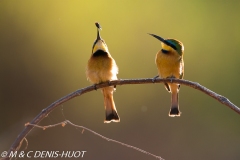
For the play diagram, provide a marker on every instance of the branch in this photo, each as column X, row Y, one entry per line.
column 97, row 134
column 79, row 92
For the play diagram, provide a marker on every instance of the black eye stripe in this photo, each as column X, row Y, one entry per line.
column 171, row 45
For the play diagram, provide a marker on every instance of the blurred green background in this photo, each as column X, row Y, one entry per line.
column 44, row 48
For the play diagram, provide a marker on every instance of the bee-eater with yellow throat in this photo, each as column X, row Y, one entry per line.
column 102, row 67
column 169, row 61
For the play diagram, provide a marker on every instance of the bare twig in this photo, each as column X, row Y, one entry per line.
column 79, row 92
column 97, row 134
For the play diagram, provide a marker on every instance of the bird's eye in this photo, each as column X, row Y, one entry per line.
column 174, row 47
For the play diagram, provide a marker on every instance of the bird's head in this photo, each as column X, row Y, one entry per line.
column 99, row 43
column 170, row 44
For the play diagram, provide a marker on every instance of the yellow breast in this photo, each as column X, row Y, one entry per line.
column 101, row 69
column 169, row 64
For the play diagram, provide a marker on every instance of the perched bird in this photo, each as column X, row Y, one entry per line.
column 169, row 61
column 102, row 67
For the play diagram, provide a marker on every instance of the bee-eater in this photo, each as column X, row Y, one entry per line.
column 169, row 61
column 102, row 67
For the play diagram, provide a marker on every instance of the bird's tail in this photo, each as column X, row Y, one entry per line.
column 111, row 111
column 174, row 111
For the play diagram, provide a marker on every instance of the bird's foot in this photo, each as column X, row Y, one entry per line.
column 95, row 86
column 171, row 78
column 109, row 83
column 154, row 78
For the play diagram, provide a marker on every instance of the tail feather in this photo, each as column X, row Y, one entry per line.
column 174, row 111
column 111, row 111
column 112, row 117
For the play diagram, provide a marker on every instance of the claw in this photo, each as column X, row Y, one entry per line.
column 171, row 78
column 154, row 78
column 109, row 83
column 95, row 86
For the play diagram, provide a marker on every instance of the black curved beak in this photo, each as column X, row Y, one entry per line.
column 158, row 37
column 163, row 40
column 98, row 33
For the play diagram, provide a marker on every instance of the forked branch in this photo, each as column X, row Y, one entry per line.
column 97, row 134
column 79, row 92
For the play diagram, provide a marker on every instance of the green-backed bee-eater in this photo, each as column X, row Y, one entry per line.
column 169, row 61
column 102, row 67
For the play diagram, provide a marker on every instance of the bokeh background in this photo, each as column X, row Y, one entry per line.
column 44, row 48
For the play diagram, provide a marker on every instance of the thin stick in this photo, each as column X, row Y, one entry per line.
column 79, row 92
column 97, row 134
